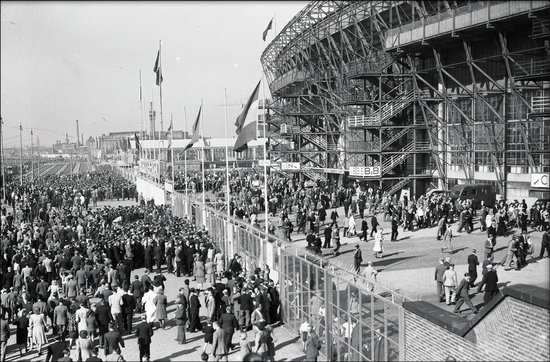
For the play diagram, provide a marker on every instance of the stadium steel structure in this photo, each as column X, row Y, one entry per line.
column 432, row 92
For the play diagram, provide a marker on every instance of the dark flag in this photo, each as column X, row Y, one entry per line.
column 242, row 117
column 136, row 139
column 196, row 132
column 267, row 29
column 157, row 69
column 247, row 134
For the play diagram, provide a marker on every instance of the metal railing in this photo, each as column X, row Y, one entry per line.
column 356, row 319
column 540, row 104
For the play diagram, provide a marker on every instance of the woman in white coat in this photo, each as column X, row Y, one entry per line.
column 378, row 240
column 148, row 301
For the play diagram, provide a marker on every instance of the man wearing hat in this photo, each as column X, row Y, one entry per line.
column 473, row 262
column 490, row 280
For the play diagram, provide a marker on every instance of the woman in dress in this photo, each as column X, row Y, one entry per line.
column 37, row 325
column 84, row 346
column 160, row 303
column 378, row 240
column 220, row 264
column 72, row 325
column 22, row 333
column 199, row 273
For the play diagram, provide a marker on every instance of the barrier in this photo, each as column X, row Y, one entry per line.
column 353, row 322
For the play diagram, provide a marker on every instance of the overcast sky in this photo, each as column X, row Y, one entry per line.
column 63, row 61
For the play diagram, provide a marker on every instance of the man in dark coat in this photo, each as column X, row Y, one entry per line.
column 194, row 307
column 374, row 224
column 144, row 332
column 157, row 252
column 313, row 345
column 357, row 259
column 228, row 322
column 490, row 281
column 364, row 229
column 113, row 341
column 149, row 256
column 439, row 271
column 328, row 234
column 128, row 306
column 137, row 291
column 463, row 295
column 103, row 319
column 473, row 262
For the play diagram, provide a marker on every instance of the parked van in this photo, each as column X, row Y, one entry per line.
column 476, row 193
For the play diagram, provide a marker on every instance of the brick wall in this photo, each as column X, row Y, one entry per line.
column 513, row 330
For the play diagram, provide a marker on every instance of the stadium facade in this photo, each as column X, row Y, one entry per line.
column 416, row 94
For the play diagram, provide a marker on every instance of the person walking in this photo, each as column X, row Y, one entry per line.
column 473, row 262
column 439, row 272
column 160, row 302
column 357, row 259
column 113, row 341
column 219, row 350
column 450, row 282
column 328, row 234
column 144, row 332
column 137, row 291
column 22, row 331
column 378, row 241
column 37, row 326
column 447, row 239
column 4, row 335
column 490, row 281
column 229, row 323
column 463, row 294
column 374, row 224
column 194, row 308
column 394, row 227
column 313, row 345
column 83, row 346
column 128, row 306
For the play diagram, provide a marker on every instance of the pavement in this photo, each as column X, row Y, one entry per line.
column 407, row 266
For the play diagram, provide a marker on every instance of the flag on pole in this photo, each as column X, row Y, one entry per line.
column 157, row 69
column 267, row 29
column 170, row 128
column 242, row 117
column 248, row 133
column 136, row 139
column 196, row 131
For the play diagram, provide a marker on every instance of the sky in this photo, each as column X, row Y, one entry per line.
column 67, row 61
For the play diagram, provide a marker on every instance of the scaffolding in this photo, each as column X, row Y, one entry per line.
column 432, row 93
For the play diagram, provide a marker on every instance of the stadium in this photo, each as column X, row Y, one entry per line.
column 415, row 94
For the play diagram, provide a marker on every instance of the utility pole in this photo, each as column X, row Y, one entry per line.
column 77, row 134
column 32, row 157
column 21, row 155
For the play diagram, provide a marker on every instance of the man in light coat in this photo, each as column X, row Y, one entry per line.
column 219, row 350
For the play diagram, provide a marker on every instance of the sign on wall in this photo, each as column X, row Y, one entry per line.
column 290, row 166
column 540, row 180
column 365, row 171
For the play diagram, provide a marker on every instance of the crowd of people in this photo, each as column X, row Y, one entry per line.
column 67, row 268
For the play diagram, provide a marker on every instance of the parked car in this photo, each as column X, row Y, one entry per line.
column 475, row 193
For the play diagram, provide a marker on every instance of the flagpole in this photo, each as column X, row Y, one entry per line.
column 172, row 156
column 185, row 160
column 203, row 178
column 160, row 91
column 140, row 152
column 21, row 153
column 227, row 158
column 266, row 198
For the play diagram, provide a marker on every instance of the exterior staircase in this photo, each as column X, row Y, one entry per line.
column 316, row 140
column 314, row 175
column 382, row 115
column 390, row 162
